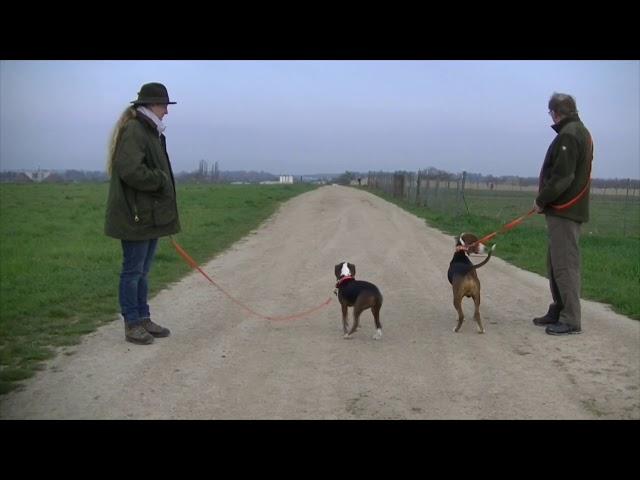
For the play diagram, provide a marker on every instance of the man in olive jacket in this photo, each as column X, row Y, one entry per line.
column 141, row 206
column 563, row 197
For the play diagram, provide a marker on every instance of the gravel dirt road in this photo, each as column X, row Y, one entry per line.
column 222, row 363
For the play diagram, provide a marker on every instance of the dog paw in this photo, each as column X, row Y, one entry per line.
column 378, row 335
column 347, row 336
column 456, row 329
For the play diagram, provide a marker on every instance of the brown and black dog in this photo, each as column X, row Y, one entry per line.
column 463, row 277
column 357, row 294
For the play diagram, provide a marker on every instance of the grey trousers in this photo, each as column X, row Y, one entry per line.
column 563, row 267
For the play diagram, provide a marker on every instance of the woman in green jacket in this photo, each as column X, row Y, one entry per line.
column 141, row 206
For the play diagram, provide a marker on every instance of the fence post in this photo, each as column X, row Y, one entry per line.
column 626, row 202
column 426, row 196
column 407, row 186
column 464, row 181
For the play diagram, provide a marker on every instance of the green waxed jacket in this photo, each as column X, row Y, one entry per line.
column 142, row 196
column 566, row 170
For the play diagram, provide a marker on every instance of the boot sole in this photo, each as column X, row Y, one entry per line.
column 159, row 335
column 574, row 332
column 544, row 324
column 138, row 342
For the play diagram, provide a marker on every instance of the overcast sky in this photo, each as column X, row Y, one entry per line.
column 303, row 117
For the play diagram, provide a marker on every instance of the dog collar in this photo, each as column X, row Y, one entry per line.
column 344, row 280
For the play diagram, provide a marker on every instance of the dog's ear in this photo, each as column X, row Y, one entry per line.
column 337, row 270
column 352, row 267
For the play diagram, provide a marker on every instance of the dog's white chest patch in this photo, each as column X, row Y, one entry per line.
column 345, row 270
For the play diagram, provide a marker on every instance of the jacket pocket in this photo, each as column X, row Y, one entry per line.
column 164, row 211
column 142, row 210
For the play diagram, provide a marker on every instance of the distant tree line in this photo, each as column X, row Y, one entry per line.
column 79, row 176
column 212, row 174
column 226, row 177
column 57, row 176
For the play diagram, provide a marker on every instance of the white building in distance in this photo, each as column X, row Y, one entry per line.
column 37, row 175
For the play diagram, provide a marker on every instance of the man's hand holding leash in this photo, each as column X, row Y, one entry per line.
column 537, row 207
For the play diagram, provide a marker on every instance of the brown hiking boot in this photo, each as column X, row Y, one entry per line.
column 137, row 334
column 155, row 329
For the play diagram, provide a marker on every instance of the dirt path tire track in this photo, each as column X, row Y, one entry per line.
column 221, row 363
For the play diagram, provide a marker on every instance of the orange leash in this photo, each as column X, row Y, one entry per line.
column 564, row 206
column 506, row 227
column 193, row 264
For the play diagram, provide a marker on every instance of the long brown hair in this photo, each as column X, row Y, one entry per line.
column 128, row 114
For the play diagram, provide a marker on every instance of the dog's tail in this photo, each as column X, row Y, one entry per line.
column 475, row 267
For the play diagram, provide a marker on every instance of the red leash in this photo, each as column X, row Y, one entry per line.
column 564, row 206
column 506, row 227
column 193, row 264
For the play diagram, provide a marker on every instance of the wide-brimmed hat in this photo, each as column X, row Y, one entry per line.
column 153, row 93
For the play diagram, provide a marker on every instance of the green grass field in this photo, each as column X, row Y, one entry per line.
column 610, row 261
column 59, row 273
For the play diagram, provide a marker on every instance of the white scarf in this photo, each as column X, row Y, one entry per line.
column 148, row 113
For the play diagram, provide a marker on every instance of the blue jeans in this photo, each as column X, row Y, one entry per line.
column 138, row 256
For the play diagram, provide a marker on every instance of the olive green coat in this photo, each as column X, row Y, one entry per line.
column 142, row 196
column 566, row 170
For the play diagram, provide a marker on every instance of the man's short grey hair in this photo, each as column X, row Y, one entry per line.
column 562, row 104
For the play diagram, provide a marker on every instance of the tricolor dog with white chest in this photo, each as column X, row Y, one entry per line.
column 358, row 294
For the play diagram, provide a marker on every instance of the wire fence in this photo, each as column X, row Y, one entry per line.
column 612, row 211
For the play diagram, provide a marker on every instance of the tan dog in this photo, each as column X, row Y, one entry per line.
column 463, row 277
